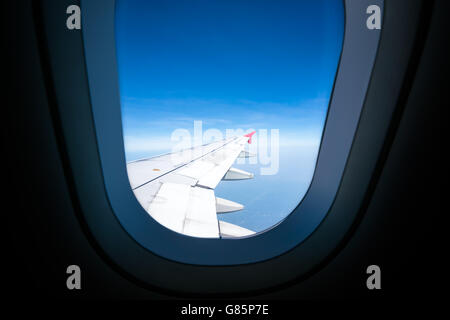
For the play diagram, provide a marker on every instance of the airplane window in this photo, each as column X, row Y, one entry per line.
column 223, row 107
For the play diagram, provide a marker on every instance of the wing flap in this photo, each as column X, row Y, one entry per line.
column 185, row 209
column 169, row 205
column 201, row 218
column 229, row 230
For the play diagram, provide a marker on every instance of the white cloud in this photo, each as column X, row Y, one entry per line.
column 147, row 143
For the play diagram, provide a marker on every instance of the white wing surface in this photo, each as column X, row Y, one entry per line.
column 177, row 189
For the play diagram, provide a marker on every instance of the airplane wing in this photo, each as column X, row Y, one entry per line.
column 177, row 189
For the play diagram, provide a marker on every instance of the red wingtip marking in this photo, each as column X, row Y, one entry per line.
column 250, row 136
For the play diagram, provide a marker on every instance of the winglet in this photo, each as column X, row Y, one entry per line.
column 250, row 136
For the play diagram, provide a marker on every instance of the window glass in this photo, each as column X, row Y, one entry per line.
column 195, row 72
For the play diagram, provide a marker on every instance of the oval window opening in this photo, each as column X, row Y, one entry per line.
column 223, row 107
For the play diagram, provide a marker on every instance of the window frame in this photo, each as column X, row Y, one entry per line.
column 87, row 96
column 342, row 119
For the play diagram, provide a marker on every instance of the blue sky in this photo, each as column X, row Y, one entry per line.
column 231, row 64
